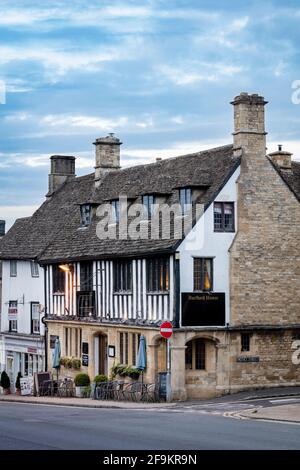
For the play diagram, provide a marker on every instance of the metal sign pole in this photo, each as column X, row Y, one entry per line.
column 168, row 371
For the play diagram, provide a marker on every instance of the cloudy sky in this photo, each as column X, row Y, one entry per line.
column 159, row 73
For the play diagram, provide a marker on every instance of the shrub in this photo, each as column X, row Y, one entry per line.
column 132, row 372
column 76, row 363
column 100, row 378
column 82, row 380
column 18, row 383
column 118, row 369
column 5, row 381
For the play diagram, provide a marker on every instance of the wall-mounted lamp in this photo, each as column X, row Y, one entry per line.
column 65, row 267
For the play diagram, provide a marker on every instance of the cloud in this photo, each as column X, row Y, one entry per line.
column 194, row 72
column 11, row 213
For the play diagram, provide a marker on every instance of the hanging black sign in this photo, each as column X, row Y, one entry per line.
column 85, row 360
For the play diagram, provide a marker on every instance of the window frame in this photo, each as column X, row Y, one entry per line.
column 13, row 272
column 86, row 276
column 195, row 355
column 58, row 278
column 86, row 214
column 11, row 329
column 203, row 261
column 245, row 342
column 33, row 331
column 34, row 267
column 122, row 276
column 115, row 206
column 185, row 200
column 148, row 205
column 155, row 267
column 223, row 228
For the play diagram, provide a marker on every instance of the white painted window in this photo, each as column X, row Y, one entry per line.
column 13, row 268
column 34, row 269
column 35, row 318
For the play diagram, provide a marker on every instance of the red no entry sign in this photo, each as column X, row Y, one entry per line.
column 166, row 329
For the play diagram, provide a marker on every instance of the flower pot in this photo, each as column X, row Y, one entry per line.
column 7, row 391
column 79, row 392
column 18, row 391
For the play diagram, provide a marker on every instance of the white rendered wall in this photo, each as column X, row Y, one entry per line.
column 207, row 243
column 25, row 289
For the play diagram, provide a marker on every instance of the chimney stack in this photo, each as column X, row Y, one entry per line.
column 62, row 170
column 2, row 228
column 281, row 159
column 249, row 124
column 107, row 155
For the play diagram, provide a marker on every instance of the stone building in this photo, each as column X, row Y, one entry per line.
column 229, row 282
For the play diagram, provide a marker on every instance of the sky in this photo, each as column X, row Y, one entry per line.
column 158, row 73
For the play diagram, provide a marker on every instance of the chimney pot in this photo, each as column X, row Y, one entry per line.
column 107, row 155
column 2, row 228
column 62, row 169
column 281, row 159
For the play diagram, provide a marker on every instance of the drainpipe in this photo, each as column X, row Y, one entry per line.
column 177, row 290
column 43, row 320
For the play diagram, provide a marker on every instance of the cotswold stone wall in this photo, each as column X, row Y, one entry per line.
column 275, row 366
column 265, row 254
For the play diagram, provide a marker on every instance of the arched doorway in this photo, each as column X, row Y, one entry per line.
column 101, row 354
column 200, row 367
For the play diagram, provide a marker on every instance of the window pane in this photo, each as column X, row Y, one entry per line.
column 116, row 211
column 199, row 354
column 197, row 273
column 34, row 269
column 58, row 280
column 188, row 355
column 122, row 276
column 85, row 214
column 207, row 282
column 13, row 268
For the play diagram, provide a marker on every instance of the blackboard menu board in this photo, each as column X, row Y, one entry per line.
column 162, row 385
column 39, row 379
column 85, row 360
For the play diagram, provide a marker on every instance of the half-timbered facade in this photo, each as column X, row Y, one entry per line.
column 209, row 265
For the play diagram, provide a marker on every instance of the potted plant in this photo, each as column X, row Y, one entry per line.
column 81, row 382
column 100, row 378
column 133, row 373
column 18, row 384
column 5, row 383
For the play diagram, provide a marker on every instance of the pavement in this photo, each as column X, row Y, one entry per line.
column 289, row 413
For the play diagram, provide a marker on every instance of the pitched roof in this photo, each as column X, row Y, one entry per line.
column 54, row 234
column 291, row 177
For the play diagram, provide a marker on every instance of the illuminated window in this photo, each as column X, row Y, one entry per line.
column 203, row 274
column 157, row 274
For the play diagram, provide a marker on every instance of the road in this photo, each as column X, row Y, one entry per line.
column 37, row 427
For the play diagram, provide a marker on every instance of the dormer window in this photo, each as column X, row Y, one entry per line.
column 116, row 210
column 148, row 203
column 86, row 214
column 185, row 198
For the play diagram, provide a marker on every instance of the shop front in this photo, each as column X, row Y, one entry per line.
column 23, row 354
